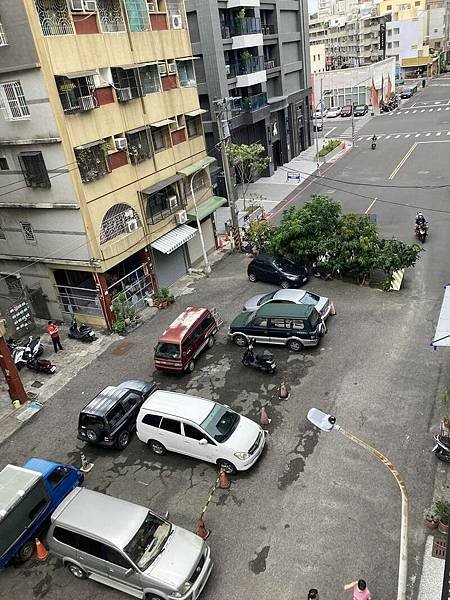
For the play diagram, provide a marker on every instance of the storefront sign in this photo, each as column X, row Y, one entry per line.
column 20, row 315
column 292, row 177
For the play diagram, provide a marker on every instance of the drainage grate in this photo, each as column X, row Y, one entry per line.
column 122, row 348
column 439, row 547
column 37, row 384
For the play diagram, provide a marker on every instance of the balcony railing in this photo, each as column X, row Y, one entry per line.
column 270, row 64
column 245, row 26
column 255, row 102
column 268, row 29
column 245, row 67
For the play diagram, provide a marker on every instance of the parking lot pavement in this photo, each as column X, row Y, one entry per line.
column 313, row 511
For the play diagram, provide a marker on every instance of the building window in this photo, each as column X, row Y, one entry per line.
column 396, row 30
column 137, row 12
column 139, row 147
column 110, row 15
column 194, row 126
column 76, row 95
column 3, row 164
column 126, row 83
column 12, row 101
column 34, row 169
column 389, row 32
column 201, row 182
column 119, row 219
column 162, row 204
column 396, row 44
column 161, row 138
column 389, row 7
column 149, row 78
column 28, row 233
column 389, row 45
column 3, row 40
column 186, row 74
column 92, row 162
column 54, row 17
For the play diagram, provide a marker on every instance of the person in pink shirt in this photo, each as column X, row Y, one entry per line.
column 360, row 590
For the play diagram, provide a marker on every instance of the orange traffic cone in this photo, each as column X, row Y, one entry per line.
column 41, row 550
column 264, row 419
column 283, row 392
column 224, row 481
column 201, row 529
column 332, row 310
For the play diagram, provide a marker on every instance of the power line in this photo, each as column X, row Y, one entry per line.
column 21, row 180
column 24, row 187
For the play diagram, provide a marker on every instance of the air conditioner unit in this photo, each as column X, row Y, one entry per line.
column 227, row 69
column 76, row 5
column 176, row 22
column 171, row 68
column 121, row 143
column 124, row 94
column 132, row 225
column 181, row 217
column 86, row 103
column 129, row 214
column 173, row 201
column 90, row 5
column 152, row 6
column 162, row 68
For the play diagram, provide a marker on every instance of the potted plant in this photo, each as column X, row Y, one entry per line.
column 443, row 511
column 431, row 516
column 163, row 298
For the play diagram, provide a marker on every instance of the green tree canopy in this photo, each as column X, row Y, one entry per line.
column 248, row 160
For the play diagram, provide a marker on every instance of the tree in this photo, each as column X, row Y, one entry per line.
column 248, row 160
column 394, row 255
column 259, row 234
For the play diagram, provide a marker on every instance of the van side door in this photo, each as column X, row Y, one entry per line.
column 187, row 351
column 279, row 330
column 90, row 554
column 170, row 435
column 116, row 565
column 192, row 438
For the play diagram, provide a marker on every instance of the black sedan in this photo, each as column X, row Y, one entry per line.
column 361, row 110
column 277, row 270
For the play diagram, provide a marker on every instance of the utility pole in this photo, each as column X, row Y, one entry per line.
column 15, row 385
column 221, row 110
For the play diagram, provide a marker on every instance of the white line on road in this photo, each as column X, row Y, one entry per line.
column 417, row 135
column 402, row 162
column 439, row 109
column 387, row 137
column 396, row 137
column 431, row 110
column 438, row 133
column 359, row 139
column 369, row 207
column 427, row 134
column 437, row 102
column 448, row 132
column 406, row 112
column 329, row 131
column 447, row 108
column 414, row 112
column 423, row 110
column 407, row 136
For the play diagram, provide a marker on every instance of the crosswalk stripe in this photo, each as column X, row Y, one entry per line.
column 427, row 134
column 439, row 109
column 414, row 112
column 407, row 135
column 396, row 137
column 423, row 110
column 447, row 108
column 431, row 110
column 417, row 135
column 406, row 112
column 448, row 132
column 438, row 133
column 359, row 139
column 387, row 137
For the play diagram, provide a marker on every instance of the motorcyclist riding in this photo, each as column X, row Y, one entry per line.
column 420, row 219
column 374, row 142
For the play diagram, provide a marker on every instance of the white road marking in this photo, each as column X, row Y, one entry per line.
column 431, row 110
column 438, row 133
column 396, row 137
column 417, row 135
column 366, row 212
column 447, row 108
column 414, row 112
column 437, row 102
column 407, row 135
column 427, row 134
column 423, row 110
column 448, row 132
column 361, row 139
column 406, row 112
column 387, row 137
column 439, row 109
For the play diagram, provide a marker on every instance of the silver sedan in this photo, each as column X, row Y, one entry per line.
column 322, row 304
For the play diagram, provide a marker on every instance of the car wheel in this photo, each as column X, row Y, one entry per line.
column 26, row 551
column 76, row 571
column 294, row 345
column 226, row 466
column 152, row 597
column 211, row 341
column 240, row 340
column 252, row 277
column 285, row 284
column 156, row 447
column 92, row 435
column 123, row 439
column 191, row 367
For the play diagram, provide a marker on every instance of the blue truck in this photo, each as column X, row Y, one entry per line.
column 28, row 496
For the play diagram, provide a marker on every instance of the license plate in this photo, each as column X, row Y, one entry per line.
column 91, row 333
column 53, row 369
column 305, row 279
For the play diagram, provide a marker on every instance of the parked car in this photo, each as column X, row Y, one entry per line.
column 322, row 304
column 408, row 92
column 291, row 325
column 109, row 419
column 181, row 343
column 276, row 270
column 318, row 114
column 361, row 110
column 346, row 111
column 334, row 112
column 128, row 547
column 200, row 428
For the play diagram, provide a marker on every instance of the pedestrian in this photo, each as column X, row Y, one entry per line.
column 360, row 590
column 53, row 332
column 313, row 594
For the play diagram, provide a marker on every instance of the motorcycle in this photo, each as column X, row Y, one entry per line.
column 41, row 366
column 262, row 362
column 422, row 231
column 373, row 145
column 34, row 346
column 442, row 447
column 23, row 356
column 82, row 332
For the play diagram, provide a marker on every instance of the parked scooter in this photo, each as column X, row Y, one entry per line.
column 262, row 362
column 34, row 346
column 442, row 447
column 41, row 366
column 82, row 332
column 23, row 356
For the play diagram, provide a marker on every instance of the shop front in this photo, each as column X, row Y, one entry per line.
column 170, row 254
column 205, row 216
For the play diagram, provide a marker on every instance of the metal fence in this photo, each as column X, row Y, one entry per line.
column 74, row 300
column 137, row 287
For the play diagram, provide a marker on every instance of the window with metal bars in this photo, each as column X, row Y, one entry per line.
column 34, row 169
column 137, row 14
column 139, row 147
column 127, row 78
column 76, row 94
column 12, row 101
column 3, row 40
column 194, row 126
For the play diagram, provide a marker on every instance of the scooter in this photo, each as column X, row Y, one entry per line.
column 374, row 145
column 262, row 362
column 82, row 332
column 41, row 366
column 34, row 346
column 22, row 356
column 442, row 447
column 422, row 232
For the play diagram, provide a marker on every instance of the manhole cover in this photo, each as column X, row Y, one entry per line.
column 122, row 348
column 37, row 384
column 439, row 547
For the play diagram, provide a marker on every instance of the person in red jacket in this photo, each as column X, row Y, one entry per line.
column 53, row 332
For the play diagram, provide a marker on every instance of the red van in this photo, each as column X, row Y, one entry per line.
column 184, row 339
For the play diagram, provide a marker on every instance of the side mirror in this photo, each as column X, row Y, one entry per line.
column 166, row 515
column 129, row 572
column 203, row 442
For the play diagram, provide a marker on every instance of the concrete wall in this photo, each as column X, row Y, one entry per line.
column 20, row 52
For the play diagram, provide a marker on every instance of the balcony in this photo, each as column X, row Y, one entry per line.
column 268, row 29
column 255, row 102
column 250, row 72
column 269, row 65
column 244, row 32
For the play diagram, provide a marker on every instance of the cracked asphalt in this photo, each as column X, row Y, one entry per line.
column 315, row 510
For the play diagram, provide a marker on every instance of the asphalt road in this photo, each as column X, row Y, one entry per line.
column 315, row 510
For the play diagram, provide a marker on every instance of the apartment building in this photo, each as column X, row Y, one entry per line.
column 101, row 152
column 257, row 52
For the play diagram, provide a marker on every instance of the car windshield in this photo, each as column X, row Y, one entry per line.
column 314, row 319
column 148, row 541
column 266, row 298
column 310, row 298
column 167, row 350
column 284, row 264
column 360, row 107
column 91, row 421
column 220, row 423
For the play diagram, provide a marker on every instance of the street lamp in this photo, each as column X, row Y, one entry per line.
column 327, row 422
column 207, row 268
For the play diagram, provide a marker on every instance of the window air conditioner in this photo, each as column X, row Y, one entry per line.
column 129, row 214
column 90, row 5
column 76, row 5
column 173, row 201
column 121, row 143
column 172, row 68
column 176, row 22
column 86, row 103
column 124, row 94
column 132, row 225
column 181, row 217
column 227, row 69
column 152, row 6
column 162, row 68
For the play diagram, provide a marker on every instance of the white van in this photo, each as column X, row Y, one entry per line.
column 200, row 428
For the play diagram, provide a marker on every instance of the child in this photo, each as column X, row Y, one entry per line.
column 360, row 590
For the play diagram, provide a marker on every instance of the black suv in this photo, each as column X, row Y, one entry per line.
column 110, row 418
column 277, row 270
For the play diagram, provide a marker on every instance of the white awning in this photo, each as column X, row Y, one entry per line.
column 174, row 239
column 196, row 112
column 90, row 145
column 77, row 74
column 189, row 58
column 162, row 123
column 442, row 335
column 136, row 65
